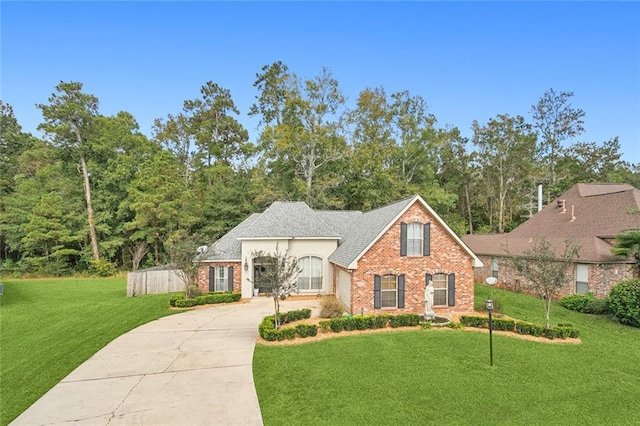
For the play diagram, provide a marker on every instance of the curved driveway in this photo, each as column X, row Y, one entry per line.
column 192, row 368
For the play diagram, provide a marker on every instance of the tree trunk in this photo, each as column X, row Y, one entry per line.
column 277, row 309
column 87, row 196
column 547, row 312
column 466, row 194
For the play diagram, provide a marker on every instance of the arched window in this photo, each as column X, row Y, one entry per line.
column 310, row 275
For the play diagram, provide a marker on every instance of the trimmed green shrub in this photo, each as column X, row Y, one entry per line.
column 325, row 326
column 330, row 307
column 585, row 303
column 380, row 321
column 174, row 298
column 336, row 325
column 404, row 320
column 529, row 328
column 267, row 328
column 205, row 299
column 185, row 303
column 624, row 302
column 474, row 321
column 426, row 325
column 288, row 333
column 561, row 332
column 503, row 324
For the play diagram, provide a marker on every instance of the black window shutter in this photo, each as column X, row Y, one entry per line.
column 426, row 242
column 212, row 278
column 401, row 291
column 377, row 298
column 230, row 279
column 452, row 289
column 403, row 239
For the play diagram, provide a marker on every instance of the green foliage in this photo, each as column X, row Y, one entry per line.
column 103, row 268
column 474, row 321
column 175, row 297
column 330, row 307
column 624, row 302
column 628, row 245
column 480, row 305
column 404, row 320
column 585, row 303
column 179, row 301
column 306, row 330
column 523, row 327
column 267, row 328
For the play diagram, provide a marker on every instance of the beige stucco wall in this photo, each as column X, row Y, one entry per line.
column 296, row 247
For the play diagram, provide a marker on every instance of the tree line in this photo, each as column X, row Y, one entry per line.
column 95, row 195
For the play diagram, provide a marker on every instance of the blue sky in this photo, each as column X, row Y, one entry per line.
column 469, row 60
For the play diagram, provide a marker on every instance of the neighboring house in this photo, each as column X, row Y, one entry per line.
column 378, row 261
column 590, row 215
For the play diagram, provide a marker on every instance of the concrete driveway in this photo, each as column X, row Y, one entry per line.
column 192, row 368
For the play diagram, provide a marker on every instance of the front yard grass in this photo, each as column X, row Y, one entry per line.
column 444, row 377
column 50, row 326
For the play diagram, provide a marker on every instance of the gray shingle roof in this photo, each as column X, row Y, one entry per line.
column 281, row 220
column 600, row 211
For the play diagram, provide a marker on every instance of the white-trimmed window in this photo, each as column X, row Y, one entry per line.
column 415, row 236
column 582, row 278
column 440, row 290
column 310, row 274
column 389, row 291
column 220, row 278
column 494, row 268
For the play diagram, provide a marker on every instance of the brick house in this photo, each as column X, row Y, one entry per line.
column 377, row 261
column 589, row 215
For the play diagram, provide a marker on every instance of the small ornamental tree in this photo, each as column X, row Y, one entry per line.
column 183, row 248
column 545, row 273
column 280, row 278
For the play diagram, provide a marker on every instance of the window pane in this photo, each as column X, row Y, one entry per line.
column 414, row 239
column 439, row 296
column 388, row 298
column 582, row 287
column 310, row 273
column 440, row 289
column 439, row 281
column 388, row 282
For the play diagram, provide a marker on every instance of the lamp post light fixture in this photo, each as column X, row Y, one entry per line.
column 489, row 306
column 246, row 265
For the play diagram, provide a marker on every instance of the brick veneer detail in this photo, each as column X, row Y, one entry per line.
column 203, row 275
column 384, row 258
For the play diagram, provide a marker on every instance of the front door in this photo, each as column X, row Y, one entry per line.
column 262, row 273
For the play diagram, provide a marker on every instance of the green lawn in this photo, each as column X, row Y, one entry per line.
column 50, row 326
column 444, row 377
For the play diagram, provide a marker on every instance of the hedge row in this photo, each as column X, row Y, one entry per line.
column 364, row 322
column 267, row 328
column 178, row 300
column 585, row 303
column 562, row 331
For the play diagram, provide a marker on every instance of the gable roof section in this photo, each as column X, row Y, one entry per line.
column 593, row 215
column 374, row 224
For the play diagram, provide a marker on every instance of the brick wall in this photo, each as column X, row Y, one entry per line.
column 203, row 275
column 384, row 258
column 602, row 277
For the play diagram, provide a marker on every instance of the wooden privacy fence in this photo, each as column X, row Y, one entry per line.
column 161, row 279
